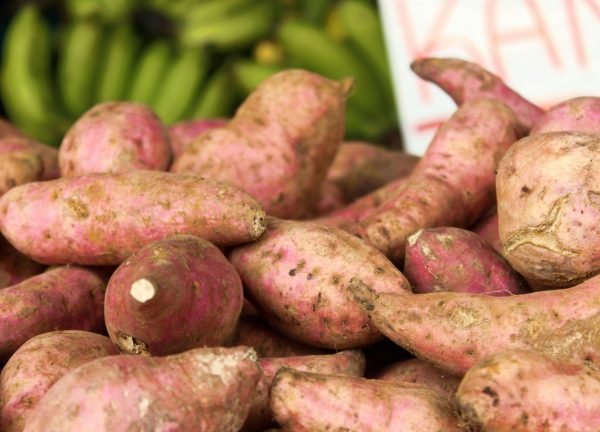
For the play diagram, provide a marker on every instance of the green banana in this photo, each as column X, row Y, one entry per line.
column 217, row 98
column 81, row 9
column 181, row 84
column 208, row 11
column 363, row 126
column 363, row 28
column 26, row 85
column 149, row 71
column 231, row 32
column 249, row 74
column 78, row 64
column 116, row 10
column 330, row 59
column 119, row 58
column 315, row 11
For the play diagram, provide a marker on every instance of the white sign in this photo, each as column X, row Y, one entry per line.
column 547, row 50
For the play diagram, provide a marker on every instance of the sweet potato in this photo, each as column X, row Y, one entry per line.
column 580, row 114
column 19, row 163
column 173, row 295
column 296, row 275
column 417, row 371
column 255, row 333
column 303, row 401
column 487, row 228
column 360, row 168
column 14, row 266
column 180, row 134
column 524, row 391
column 102, row 219
column 331, row 198
column 469, row 327
column 280, row 143
column 115, row 137
column 205, row 389
column 343, row 363
column 549, row 207
column 452, row 185
column 64, row 298
column 38, row 364
column 8, row 129
column 464, row 81
column 454, row 259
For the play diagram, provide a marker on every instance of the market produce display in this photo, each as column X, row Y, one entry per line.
column 186, row 59
column 190, row 242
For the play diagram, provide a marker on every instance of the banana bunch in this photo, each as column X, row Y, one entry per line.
column 203, row 63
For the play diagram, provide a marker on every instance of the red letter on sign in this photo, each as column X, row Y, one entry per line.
column 575, row 28
column 538, row 30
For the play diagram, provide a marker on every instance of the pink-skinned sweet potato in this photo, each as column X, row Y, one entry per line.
column 487, row 228
column 101, row 219
column 549, row 207
column 360, row 168
column 296, row 276
column 581, row 114
column 452, row 185
column 469, row 327
column 280, row 143
column 464, row 81
column 267, row 342
column 420, row 372
column 204, row 389
column 350, row 363
column 180, row 134
column 524, row 391
column 14, row 266
column 38, row 364
column 19, row 163
column 457, row 260
column 115, row 137
column 8, row 129
column 307, row 402
column 331, row 198
column 64, row 298
column 173, row 295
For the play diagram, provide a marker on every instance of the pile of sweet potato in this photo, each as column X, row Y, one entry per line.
column 258, row 273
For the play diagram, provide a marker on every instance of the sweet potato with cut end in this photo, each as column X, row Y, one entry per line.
column 452, row 185
column 38, row 364
column 173, row 295
column 205, row 389
column 64, row 298
column 464, row 81
column 549, row 207
column 296, row 274
column 343, row 363
column 255, row 333
column 115, row 137
column 457, row 260
column 280, row 143
column 487, row 228
column 14, row 266
column 303, row 401
column 469, row 327
column 420, row 372
column 181, row 134
column 360, row 168
column 19, row 163
column 102, row 219
column 524, row 391
column 581, row 114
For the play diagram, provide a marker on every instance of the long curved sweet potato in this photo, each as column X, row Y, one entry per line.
column 102, row 219
column 62, row 298
column 205, row 389
column 465, row 81
column 306, row 402
column 173, row 295
column 38, row 364
column 452, row 185
column 524, row 391
column 562, row 324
